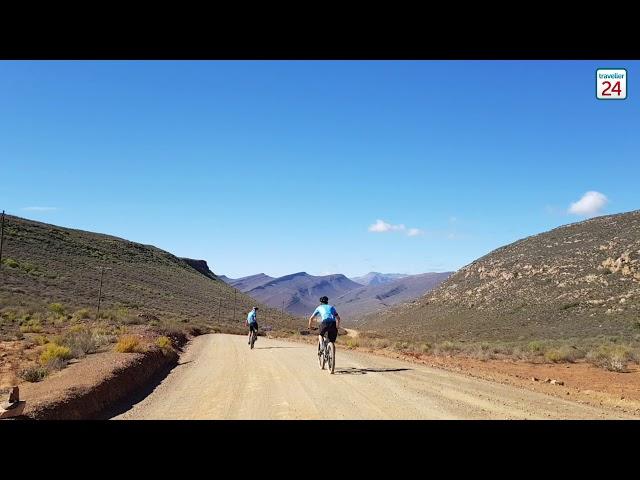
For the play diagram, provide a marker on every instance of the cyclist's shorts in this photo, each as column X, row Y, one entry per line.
column 253, row 326
column 331, row 329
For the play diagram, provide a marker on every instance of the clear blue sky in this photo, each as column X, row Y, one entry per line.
column 280, row 167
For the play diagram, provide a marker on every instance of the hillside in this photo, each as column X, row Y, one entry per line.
column 378, row 296
column 44, row 264
column 245, row 284
column 300, row 291
column 377, row 278
column 576, row 281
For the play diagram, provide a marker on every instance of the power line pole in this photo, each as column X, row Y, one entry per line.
column 1, row 238
column 100, row 292
column 283, row 306
column 235, row 296
column 219, row 308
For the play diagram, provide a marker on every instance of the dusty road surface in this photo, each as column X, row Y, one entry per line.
column 219, row 377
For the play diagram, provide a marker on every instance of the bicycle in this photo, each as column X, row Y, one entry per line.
column 326, row 353
column 254, row 336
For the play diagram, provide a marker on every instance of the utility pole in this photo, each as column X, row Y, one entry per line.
column 219, row 308
column 100, row 292
column 235, row 295
column 283, row 306
column 1, row 238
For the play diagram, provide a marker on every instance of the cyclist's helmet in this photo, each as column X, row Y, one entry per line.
column 324, row 299
column 256, row 308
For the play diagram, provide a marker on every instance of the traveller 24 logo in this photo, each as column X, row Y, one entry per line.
column 611, row 83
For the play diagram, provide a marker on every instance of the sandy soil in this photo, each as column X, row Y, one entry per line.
column 219, row 377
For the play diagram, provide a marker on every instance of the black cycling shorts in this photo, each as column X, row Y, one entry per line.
column 331, row 329
column 253, row 326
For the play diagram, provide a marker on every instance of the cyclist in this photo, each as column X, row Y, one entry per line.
column 252, row 323
column 329, row 317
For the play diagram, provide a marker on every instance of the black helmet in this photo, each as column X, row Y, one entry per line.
column 324, row 299
column 256, row 308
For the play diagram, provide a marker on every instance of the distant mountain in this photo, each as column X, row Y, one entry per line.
column 245, row 284
column 226, row 279
column 378, row 296
column 576, row 281
column 299, row 292
column 377, row 278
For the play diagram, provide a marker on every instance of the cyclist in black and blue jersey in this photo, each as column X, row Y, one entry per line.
column 330, row 319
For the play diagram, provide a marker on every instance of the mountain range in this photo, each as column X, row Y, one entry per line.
column 298, row 293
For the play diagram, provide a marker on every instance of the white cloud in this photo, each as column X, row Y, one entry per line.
column 381, row 226
column 589, row 205
column 40, row 209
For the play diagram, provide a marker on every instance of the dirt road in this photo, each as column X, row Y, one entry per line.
column 219, row 377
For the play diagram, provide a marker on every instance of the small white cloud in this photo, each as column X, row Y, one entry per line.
column 414, row 232
column 40, row 209
column 381, row 226
column 589, row 205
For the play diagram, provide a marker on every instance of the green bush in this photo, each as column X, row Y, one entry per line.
column 33, row 374
column 57, row 308
column 31, row 326
column 614, row 358
column 11, row 263
column 82, row 314
column 536, row 346
column 563, row 354
column 80, row 341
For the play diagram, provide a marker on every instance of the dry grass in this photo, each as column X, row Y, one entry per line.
column 55, row 356
column 164, row 342
column 128, row 344
column 614, row 358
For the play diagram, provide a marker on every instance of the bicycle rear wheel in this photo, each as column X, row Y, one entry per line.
column 320, row 355
column 332, row 357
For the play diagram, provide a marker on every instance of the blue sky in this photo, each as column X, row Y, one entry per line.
column 280, row 167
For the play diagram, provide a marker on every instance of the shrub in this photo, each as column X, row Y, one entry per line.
column 536, row 346
column 31, row 326
column 11, row 263
column 57, row 308
column 82, row 314
column 562, row 354
column 352, row 343
column 127, row 344
column 614, row 358
column 55, row 355
column 446, row 347
column 40, row 340
column 80, row 340
column 164, row 342
column 33, row 374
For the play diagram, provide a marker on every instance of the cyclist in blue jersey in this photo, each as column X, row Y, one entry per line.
column 330, row 319
column 252, row 322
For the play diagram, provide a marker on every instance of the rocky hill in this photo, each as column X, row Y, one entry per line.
column 579, row 280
